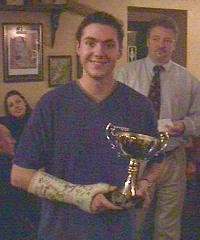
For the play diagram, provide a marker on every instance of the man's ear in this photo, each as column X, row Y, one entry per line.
column 77, row 47
column 120, row 52
column 147, row 42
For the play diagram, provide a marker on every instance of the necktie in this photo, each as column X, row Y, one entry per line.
column 154, row 91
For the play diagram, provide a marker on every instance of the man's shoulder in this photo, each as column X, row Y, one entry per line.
column 134, row 100
column 183, row 72
column 132, row 65
column 181, row 69
column 178, row 66
column 131, row 73
column 132, row 93
column 58, row 94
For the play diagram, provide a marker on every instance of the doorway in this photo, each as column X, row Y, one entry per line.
column 138, row 18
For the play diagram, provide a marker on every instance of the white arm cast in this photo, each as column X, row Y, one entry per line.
column 47, row 186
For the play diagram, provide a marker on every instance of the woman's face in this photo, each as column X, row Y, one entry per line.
column 16, row 106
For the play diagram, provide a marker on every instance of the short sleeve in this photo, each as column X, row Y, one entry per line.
column 34, row 148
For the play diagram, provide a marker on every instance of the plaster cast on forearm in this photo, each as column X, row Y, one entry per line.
column 47, row 186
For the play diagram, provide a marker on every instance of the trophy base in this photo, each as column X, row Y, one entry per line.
column 123, row 201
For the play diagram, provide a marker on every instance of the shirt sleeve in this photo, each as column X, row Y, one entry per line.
column 192, row 119
column 35, row 144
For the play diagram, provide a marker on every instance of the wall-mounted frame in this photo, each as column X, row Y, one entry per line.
column 22, row 52
column 79, row 69
column 132, row 53
column 60, row 70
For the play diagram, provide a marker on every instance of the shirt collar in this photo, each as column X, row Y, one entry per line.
column 150, row 64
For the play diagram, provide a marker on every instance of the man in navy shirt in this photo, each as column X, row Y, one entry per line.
column 66, row 138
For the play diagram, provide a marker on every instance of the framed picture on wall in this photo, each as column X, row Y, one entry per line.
column 22, row 52
column 79, row 68
column 132, row 53
column 60, row 70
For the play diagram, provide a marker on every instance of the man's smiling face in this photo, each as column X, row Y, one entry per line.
column 98, row 50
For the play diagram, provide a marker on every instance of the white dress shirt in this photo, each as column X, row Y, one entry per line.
column 180, row 92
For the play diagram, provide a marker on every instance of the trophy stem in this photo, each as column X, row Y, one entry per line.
column 130, row 186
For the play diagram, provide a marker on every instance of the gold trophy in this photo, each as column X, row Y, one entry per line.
column 136, row 147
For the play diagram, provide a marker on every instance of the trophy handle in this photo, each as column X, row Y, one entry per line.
column 111, row 133
column 164, row 136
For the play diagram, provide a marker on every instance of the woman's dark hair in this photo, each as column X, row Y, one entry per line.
column 101, row 18
column 12, row 93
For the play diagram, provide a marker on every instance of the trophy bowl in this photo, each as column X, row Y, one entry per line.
column 136, row 147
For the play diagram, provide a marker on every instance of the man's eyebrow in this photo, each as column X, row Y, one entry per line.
column 109, row 40
column 94, row 39
column 89, row 38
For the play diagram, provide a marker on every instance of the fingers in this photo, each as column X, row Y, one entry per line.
column 147, row 201
column 100, row 203
column 143, row 191
column 177, row 129
column 112, row 188
column 191, row 169
column 109, row 205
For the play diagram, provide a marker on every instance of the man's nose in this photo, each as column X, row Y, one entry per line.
column 17, row 105
column 162, row 43
column 100, row 49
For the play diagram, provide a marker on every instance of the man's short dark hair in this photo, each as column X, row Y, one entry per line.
column 101, row 18
column 166, row 22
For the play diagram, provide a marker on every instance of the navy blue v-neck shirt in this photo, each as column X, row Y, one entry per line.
column 66, row 135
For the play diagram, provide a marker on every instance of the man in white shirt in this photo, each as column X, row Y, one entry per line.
column 179, row 115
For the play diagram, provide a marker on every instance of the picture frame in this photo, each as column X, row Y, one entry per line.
column 14, row 2
column 79, row 68
column 22, row 52
column 60, row 70
column 132, row 53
